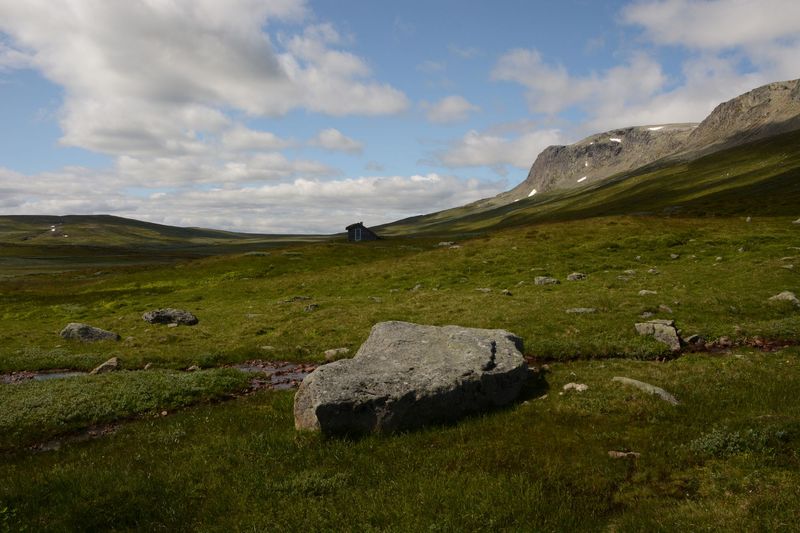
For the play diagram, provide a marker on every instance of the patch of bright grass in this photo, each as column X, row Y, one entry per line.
column 37, row 410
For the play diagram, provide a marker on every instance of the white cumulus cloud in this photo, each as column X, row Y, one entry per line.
column 453, row 108
column 333, row 139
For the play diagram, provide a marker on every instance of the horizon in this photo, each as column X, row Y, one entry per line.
column 295, row 117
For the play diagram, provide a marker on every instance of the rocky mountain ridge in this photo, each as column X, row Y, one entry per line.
column 768, row 110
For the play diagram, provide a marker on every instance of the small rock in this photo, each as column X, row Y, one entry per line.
column 545, row 280
column 520, row 284
column 646, row 387
column 785, row 296
column 579, row 387
column 111, row 365
column 311, row 308
column 748, row 219
column 665, row 309
column 674, row 256
column 87, row 333
column 193, row 368
column 623, row 455
column 507, row 292
column 416, row 287
column 647, row 314
column 695, row 340
column 163, row 413
column 169, row 315
column 148, row 366
column 662, row 330
column 653, row 271
column 718, row 258
column 446, row 243
column 455, row 247
column 630, row 272
column 788, row 267
column 334, row 353
column 581, row 310
column 741, row 249
column 173, row 325
column 266, row 348
column 796, row 221
column 645, row 292
column 576, row 276
column 484, row 289
column 376, row 299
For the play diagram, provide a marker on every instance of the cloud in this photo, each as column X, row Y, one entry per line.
column 453, row 108
column 333, row 139
column 715, row 24
column 241, row 138
column 483, row 149
column 303, row 205
column 159, row 77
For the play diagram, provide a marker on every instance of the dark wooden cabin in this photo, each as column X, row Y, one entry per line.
column 358, row 232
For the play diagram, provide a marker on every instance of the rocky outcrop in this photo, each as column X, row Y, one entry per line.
column 600, row 156
column 169, row 315
column 87, row 333
column 763, row 112
column 408, row 375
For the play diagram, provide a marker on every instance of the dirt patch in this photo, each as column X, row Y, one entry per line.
column 275, row 375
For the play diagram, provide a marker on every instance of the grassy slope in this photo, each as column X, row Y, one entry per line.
column 715, row 461
column 761, row 179
column 27, row 244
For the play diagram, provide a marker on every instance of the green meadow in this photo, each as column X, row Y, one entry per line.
column 164, row 449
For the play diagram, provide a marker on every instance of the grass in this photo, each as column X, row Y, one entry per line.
column 540, row 465
column 725, row 458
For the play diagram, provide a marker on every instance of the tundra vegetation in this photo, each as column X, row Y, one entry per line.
column 707, row 245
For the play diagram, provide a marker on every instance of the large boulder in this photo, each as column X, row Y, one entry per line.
column 169, row 315
column 408, row 375
column 87, row 333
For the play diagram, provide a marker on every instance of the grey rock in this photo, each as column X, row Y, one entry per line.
column 576, row 276
column 674, row 256
column 653, row 271
column 647, row 314
column 662, row 330
column 506, row 292
column 335, row 353
column 169, row 315
column 148, row 366
column 645, row 292
column 785, row 296
column 87, row 333
column 665, row 309
column 193, row 368
column 311, row 308
column 629, row 272
column 407, row 375
column 648, row 388
column 578, row 387
column 581, row 310
column 484, row 289
column 545, row 280
column 112, row 365
column 446, row 243
column 796, row 221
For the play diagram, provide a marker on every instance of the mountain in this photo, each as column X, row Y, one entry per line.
column 757, row 114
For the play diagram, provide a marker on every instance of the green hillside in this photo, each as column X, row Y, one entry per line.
column 760, row 178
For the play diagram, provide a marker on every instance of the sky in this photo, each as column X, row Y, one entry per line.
column 302, row 116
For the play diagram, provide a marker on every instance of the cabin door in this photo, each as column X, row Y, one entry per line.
column 358, row 234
